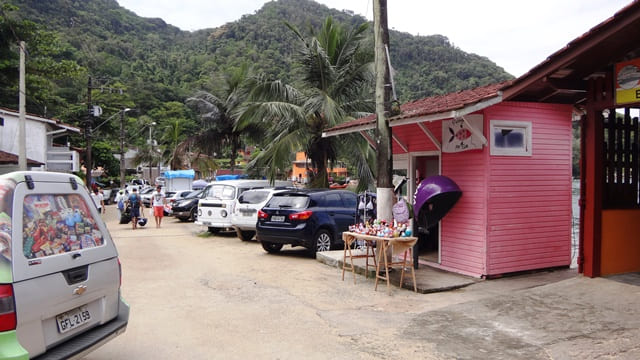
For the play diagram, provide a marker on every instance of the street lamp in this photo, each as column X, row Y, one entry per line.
column 153, row 123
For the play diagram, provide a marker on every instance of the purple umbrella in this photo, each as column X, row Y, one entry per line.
column 433, row 199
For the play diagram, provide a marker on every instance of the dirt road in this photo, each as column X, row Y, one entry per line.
column 195, row 296
column 199, row 296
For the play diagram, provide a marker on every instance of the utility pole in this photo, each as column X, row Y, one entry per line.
column 122, row 160
column 22, row 132
column 87, row 135
column 383, row 90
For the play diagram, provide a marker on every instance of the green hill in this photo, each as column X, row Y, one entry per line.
column 158, row 62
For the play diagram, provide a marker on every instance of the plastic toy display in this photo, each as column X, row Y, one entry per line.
column 381, row 228
column 55, row 224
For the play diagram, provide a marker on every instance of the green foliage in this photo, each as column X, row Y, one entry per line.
column 158, row 66
column 102, row 156
column 334, row 84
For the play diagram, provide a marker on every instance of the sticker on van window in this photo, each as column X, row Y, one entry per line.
column 6, row 204
column 56, row 224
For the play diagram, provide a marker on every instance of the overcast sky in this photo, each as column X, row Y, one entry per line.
column 516, row 35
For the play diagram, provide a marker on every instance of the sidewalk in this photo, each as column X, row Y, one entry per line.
column 551, row 314
column 428, row 279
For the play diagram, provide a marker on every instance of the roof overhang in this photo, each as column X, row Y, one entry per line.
column 404, row 120
column 563, row 77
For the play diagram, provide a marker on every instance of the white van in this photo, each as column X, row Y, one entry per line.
column 215, row 208
column 59, row 269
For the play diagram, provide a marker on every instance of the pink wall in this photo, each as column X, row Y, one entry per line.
column 529, row 197
column 463, row 243
column 515, row 211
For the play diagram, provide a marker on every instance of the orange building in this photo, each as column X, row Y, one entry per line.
column 301, row 167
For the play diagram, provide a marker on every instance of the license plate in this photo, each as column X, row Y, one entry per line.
column 246, row 214
column 73, row 319
column 277, row 218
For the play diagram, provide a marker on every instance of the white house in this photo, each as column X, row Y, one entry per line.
column 41, row 152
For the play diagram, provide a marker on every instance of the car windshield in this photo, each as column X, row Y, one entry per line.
column 222, row 192
column 253, row 197
column 289, row 202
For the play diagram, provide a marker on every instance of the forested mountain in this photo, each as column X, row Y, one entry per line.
column 163, row 63
column 157, row 66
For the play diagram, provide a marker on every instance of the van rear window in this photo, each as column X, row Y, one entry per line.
column 56, row 224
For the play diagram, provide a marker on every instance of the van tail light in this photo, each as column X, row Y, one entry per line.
column 7, row 309
column 303, row 215
column 262, row 215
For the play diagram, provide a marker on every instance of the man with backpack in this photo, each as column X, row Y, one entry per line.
column 134, row 205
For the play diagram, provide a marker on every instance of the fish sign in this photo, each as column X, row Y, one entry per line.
column 458, row 136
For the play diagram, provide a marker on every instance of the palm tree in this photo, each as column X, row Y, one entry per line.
column 217, row 112
column 171, row 137
column 335, row 77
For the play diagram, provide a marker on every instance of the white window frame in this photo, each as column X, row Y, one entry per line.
column 524, row 126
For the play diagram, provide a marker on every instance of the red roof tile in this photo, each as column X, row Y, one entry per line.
column 433, row 105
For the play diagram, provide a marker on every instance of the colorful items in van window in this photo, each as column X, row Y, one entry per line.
column 6, row 202
column 57, row 224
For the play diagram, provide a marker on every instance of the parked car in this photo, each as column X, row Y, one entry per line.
column 313, row 218
column 245, row 211
column 178, row 195
column 145, row 196
column 216, row 206
column 59, row 269
column 187, row 208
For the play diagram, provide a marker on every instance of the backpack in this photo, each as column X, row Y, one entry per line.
column 121, row 204
column 134, row 201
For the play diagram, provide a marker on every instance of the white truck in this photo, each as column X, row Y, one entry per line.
column 175, row 180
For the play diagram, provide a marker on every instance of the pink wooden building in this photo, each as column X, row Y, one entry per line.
column 512, row 161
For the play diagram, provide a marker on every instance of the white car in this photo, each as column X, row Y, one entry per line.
column 245, row 212
column 59, row 269
column 145, row 196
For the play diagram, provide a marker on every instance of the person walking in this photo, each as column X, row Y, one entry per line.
column 98, row 200
column 158, row 202
column 134, row 206
column 120, row 199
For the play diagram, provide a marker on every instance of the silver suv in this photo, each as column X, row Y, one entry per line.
column 59, row 269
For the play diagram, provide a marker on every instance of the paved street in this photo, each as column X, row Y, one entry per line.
column 196, row 296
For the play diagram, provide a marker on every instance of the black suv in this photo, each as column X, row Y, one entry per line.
column 313, row 218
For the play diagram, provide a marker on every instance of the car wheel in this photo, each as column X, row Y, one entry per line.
column 323, row 241
column 194, row 214
column 214, row 230
column 270, row 247
column 245, row 235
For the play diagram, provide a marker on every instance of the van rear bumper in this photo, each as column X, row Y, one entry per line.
column 79, row 346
